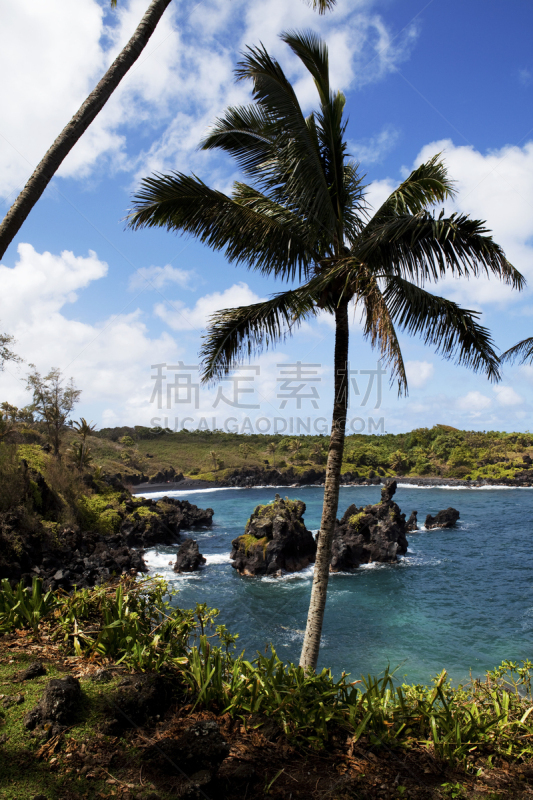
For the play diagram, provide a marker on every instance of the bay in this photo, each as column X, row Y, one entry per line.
column 460, row 599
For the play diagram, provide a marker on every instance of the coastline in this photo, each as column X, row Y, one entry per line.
column 453, row 483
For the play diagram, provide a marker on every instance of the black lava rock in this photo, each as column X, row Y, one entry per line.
column 373, row 533
column 57, row 708
column 137, row 699
column 200, row 749
column 188, row 558
column 443, row 519
column 275, row 538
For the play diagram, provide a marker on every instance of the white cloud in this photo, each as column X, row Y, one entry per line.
column 182, row 80
column 159, row 277
column 474, row 402
column 506, row 396
column 378, row 191
column 109, row 360
column 181, row 318
column 525, row 76
column 374, row 149
column 418, row 373
column 497, row 187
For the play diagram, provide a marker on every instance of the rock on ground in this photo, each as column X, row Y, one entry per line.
column 57, row 708
column 443, row 519
column 137, row 699
column 34, row 670
column 373, row 533
column 188, row 558
column 198, row 752
column 275, row 538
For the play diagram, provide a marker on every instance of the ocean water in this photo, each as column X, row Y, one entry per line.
column 460, row 599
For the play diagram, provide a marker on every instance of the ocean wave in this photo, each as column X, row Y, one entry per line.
column 217, row 558
column 458, row 488
column 179, row 492
column 303, row 574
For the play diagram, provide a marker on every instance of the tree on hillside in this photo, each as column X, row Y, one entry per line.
column 88, row 111
column 296, row 448
column 214, row 458
column 271, row 450
column 81, row 451
column 304, row 218
column 245, row 450
column 52, row 402
column 6, row 354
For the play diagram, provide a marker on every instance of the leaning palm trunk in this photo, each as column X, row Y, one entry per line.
column 317, row 604
column 77, row 126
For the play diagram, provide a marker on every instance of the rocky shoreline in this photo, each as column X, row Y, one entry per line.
column 457, row 483
column 68, row 556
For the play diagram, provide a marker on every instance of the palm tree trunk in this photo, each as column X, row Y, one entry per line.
column 77, row 126
column 317, row 605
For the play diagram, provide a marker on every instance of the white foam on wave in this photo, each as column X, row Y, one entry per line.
column 417, row 561
column 303, row 574
column 458, row 488
column 179, row 492
column 217, row 558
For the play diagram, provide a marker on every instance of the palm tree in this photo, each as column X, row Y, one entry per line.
column 84, row 429
column 318, row 452
column 245, row 450
column 80, row 454
column 74, row 130
column 296, row 448
column 214, row 458
column 304, row 217
column 271, row 450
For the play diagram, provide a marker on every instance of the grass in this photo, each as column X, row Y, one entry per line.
column 459, row 735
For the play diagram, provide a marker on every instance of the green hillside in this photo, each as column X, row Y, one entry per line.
column 425, row 452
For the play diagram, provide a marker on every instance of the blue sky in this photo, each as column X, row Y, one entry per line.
column 105, row 304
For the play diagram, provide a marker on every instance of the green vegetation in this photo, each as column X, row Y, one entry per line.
column 431, row 452
column 356, row 520
column 136, row 623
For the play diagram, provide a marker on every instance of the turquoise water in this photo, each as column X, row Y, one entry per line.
column 460, row 599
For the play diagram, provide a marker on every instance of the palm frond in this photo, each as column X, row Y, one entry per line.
column 300, row 161
column 235, row 334
column 322, row 5
column 269, row 243
column 523, row 350
column 426, row 248
column 313, row 53
column 427, row 185
column 248, row 134
column 454, row 331
column 379, row 329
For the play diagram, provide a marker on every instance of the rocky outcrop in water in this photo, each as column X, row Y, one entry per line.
column 188, row 558
column 412, row 522
column 373, row 533
column 148, row 523
column 275, row 539
column 443, row 519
